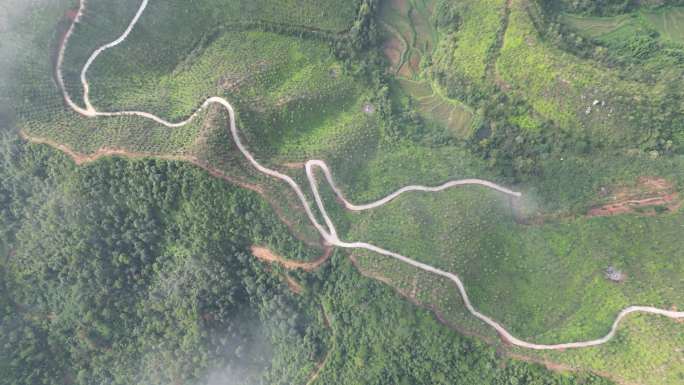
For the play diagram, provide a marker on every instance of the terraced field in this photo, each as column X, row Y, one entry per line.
column 667, row 21
column 596, row 26
column 410, row 38
column 409, row 34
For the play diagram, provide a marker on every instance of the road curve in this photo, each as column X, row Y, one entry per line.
column 328, row 231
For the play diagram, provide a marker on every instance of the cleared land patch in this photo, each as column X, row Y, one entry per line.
column 650, row 196
column 595, row 26
column 267, row 255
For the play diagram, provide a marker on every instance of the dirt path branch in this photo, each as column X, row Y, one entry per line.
column 269, row 256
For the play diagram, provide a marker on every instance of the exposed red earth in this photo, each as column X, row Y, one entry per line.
column 650, row 192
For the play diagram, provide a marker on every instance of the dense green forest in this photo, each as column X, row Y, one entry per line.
column 138, row 272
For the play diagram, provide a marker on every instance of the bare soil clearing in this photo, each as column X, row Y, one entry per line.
column 393, row 49
column 269, row 256
column 294, row 286
column 650, row 192
column 650, row 196
column 294, row 165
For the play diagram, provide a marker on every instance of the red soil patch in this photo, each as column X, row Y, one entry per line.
column 269, row 256
column 649, row 192
column 405, row 71
column 294, row 165
column 294, row 286
column 71, row 14
column 81, row 159
column 414, row 62
column 392, row 50
column 649, row 197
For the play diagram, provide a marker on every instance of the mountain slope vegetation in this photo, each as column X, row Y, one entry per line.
column 140, row 271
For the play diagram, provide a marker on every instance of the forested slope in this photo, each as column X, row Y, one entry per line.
column 138, row 272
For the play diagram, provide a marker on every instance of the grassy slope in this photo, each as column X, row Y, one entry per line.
column 169, row 31
column 542, row 264
column 283, row 89
column 644, row 351
column 545, row 282
column 41, row 110
column 520, row 274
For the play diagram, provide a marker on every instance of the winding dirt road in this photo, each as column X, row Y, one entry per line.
column 269, row 256
column 327, row 231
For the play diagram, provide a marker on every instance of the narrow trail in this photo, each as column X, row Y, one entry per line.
column 269, row 256
column 327, row 230
column 319, row 367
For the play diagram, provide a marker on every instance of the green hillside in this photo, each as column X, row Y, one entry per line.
column 577, row 105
